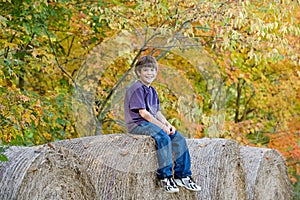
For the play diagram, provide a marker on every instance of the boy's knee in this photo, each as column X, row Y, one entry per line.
column 162, row 137
column 178, row 136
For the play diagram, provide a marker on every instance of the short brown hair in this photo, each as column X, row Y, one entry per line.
column 145, row 61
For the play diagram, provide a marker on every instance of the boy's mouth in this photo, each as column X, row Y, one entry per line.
column 149, row 77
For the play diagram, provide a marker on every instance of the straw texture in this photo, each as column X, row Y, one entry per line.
column 123, row 166
column 266, row 174
column 44, row 172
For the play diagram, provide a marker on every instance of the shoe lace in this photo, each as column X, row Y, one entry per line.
column 190, row 179
column 171, row 182
column 192, row 183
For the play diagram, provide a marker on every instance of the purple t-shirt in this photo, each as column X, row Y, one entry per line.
column 139, row 96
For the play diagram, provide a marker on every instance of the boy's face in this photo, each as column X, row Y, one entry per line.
column 147, row 75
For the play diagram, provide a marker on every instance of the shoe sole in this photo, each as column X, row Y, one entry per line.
column 191, row 189
column 170, row 192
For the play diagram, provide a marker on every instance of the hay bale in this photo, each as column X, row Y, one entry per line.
column 216, row 165
column 124, row 167
column 266, row 174
column 35, row 173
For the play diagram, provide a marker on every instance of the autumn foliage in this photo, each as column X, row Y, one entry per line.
column 228, row 69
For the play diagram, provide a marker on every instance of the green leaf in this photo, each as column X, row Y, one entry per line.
column 28, row 133
column 3, row 158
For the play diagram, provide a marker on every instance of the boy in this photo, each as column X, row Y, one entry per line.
column 143, row 116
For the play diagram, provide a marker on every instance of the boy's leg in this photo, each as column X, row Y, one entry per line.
column 182, row 163
column 164, row 154
column 164, row 147
column 182, row 158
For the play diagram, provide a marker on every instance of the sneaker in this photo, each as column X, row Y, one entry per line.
column 169, row 185
column 188, row 183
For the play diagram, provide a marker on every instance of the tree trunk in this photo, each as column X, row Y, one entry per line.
column 124, row 167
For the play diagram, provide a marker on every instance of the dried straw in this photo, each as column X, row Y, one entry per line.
column 266, row 174
column 123, row 166
column 36, row 173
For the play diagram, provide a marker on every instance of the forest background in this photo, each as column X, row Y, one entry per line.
column 228, row 69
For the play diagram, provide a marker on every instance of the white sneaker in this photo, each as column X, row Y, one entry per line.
column 188, row 183
column 169, row 185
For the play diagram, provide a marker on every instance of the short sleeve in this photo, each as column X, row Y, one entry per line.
column 137, row 99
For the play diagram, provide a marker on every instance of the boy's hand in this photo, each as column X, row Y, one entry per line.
column 172, row 129
column 166, row 129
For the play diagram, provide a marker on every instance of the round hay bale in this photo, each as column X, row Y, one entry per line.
column 44, row 172
column 266, row 174
column 124, row 167
column 216, row 166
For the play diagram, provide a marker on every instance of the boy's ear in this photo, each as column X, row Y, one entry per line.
column 138, row 73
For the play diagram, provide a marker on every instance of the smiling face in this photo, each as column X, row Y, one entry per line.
column 147, row 75
column 146, row 69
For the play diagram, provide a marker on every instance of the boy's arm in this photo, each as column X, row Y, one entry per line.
column 164, row 121
column 147, row 116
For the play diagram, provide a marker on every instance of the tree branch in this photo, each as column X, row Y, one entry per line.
column 55, row 55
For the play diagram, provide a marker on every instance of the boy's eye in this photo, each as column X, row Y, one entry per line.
column 148, row 69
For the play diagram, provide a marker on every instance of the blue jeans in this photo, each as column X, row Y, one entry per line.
column 166, row 146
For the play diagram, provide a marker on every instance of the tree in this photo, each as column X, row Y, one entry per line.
column 43, row 46
column 237, row 61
